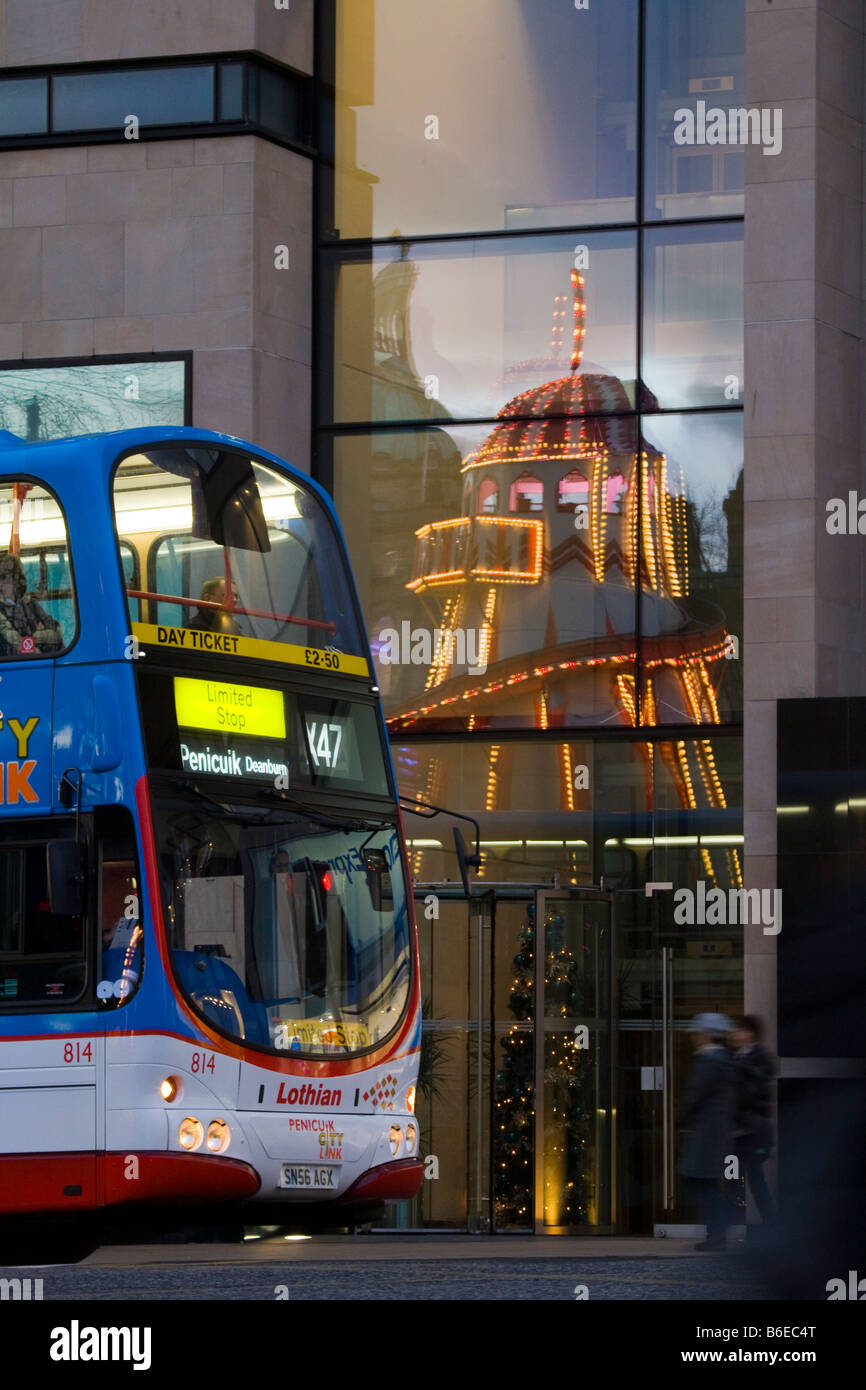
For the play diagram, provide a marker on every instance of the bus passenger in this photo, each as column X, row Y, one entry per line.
column 209, row 619
column 24, row 624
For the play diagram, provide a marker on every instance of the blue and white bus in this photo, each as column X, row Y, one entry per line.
column 209, row 991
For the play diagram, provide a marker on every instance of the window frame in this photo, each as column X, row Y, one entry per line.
column 38, row 832
column 301, row 139
column 52, row 656
column 123, row 359
column 129, row 72
column 45, row 79
column 100, row 841
column 296, row 479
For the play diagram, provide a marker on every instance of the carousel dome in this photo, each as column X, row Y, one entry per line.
column 538, row 425
column 534, row 427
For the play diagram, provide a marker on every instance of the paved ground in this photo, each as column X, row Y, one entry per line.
column 459, row 1268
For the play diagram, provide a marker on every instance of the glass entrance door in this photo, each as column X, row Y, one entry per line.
column 517, row 1002
column 574, row 1120
column 667, row 972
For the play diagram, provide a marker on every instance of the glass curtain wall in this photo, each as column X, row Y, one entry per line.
column 530, row 385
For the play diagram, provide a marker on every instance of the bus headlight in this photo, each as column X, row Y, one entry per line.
column 190, row 1133
column 395, row 1138
column 411, row 1138
column 218, row 1136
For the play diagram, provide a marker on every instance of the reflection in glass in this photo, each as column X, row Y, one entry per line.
column 523, row 615
column 695, row 53
column 691, row 647
column 275, row 103
column 447, row 1093
column 231, row 92
column 693, row 315
column 23, row 106
column 59, row 402
column 576, row 1105
column 449, row 330
column 409, row 147
column 275, row 939
column 581, row 808
column 157, row 96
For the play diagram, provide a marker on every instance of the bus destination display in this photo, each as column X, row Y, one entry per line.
column 224, row 708
column 328, row 746
column 245, row 714
column 247, row 732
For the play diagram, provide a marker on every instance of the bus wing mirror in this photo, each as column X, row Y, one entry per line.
column 375, row 867
column 65, row 879
column 315, row 878
column 465, row 861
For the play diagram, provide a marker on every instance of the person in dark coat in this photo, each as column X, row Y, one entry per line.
column 708, row 1109
column 214, row 619
column 753, row 1123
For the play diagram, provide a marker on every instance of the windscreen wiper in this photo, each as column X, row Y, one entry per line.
column 267, row 815
column 232, row 811
column 327, row 818
column 204, row 796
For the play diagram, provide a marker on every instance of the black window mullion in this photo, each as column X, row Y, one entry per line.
column 638, row 323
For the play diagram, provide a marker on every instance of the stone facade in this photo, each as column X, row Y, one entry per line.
column 165, row 245
column 804, row 632
column 169, row 246
column 35, row 32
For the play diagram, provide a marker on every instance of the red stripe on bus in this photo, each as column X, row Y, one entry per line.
column 85, row 1181
column 389, row 1182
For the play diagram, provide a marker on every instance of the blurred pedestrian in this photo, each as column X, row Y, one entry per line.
column 753, row 1124
column 709, row 1106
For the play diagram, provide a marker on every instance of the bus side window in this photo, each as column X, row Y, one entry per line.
column 42, row 954
column 129, row 561
column 37, row 603
column 166, row 576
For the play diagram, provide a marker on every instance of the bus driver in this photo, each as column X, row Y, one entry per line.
column 24, row 624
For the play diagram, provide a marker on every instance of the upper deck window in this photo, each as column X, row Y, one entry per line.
column 37, row 600
column 233, row 547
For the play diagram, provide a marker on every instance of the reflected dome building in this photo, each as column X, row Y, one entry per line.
column 568, row 570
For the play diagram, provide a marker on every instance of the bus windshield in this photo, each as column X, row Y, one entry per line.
column 218, row 545
column 291, row 935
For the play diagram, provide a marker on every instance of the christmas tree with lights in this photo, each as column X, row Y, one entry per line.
column 568, row 1078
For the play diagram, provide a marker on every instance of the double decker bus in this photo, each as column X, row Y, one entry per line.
column 209, row 995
